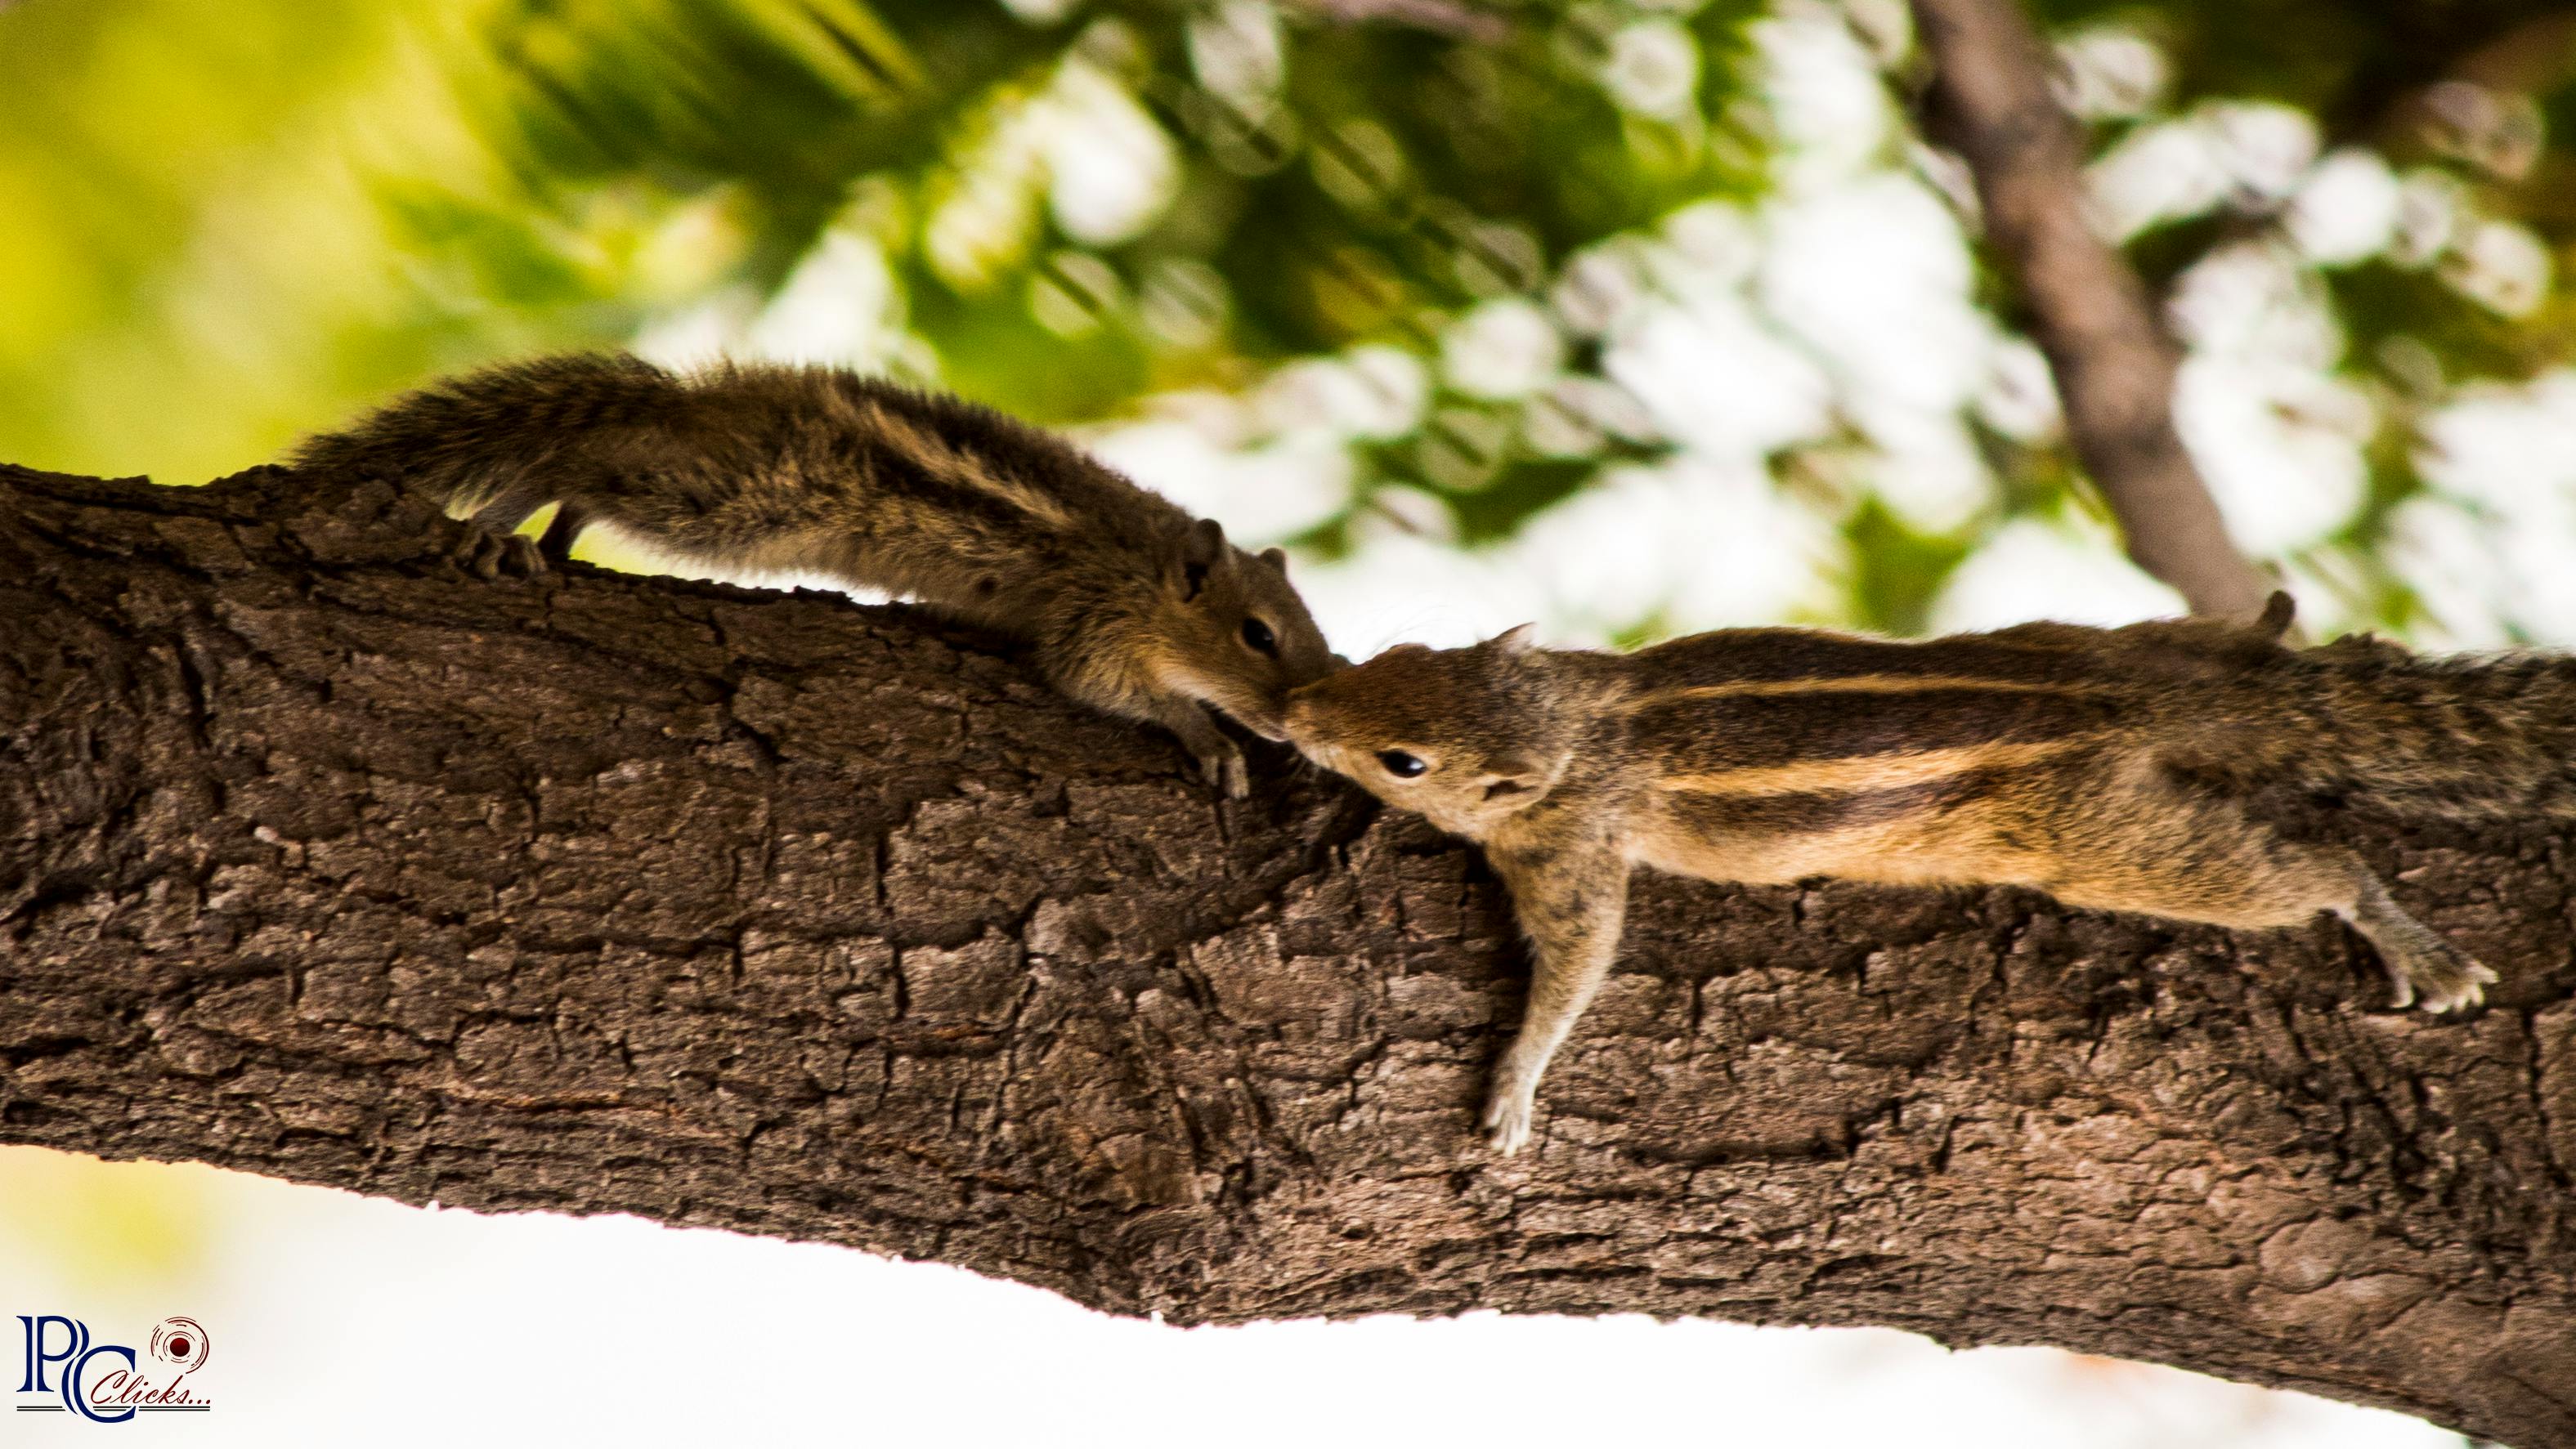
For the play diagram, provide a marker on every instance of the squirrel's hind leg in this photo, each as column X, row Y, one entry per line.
column 2190, row 855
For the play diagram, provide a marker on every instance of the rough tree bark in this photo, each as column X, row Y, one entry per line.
column 783, row 915
column 2114, row 367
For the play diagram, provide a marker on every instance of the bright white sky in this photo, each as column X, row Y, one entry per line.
column 1846, row 296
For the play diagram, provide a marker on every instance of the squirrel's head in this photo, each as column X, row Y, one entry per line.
column 1239, row 637
column 1466, row 737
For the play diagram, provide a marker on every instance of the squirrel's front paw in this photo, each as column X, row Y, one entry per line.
column 1507, row 1112
column 488, row 555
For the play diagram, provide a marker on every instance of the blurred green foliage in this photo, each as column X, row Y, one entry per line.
column 227, row 222
column 2461, row 99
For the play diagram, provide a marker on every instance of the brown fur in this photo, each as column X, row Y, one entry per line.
column 2114, row 769
column 1134, row 607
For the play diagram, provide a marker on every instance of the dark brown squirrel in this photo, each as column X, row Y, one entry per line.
column 1134, row 607
column 2115, row 769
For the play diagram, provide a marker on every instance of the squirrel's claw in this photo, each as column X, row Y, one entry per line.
column 488, row 555
column 1507, row 1117
column 2465, row 989
column 1226, row 773
column 2423, row 969
column 2436, row 976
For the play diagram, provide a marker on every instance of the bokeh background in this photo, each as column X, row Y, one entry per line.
column 1633, row 317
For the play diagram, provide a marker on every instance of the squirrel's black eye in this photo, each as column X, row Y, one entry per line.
column 1258, row 635
column 1397, row 762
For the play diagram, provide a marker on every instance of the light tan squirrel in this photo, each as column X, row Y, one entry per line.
column 1135, row 608
column 2112, row 768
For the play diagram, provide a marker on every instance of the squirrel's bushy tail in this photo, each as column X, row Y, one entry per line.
column 2477, row 737
column 479, row 442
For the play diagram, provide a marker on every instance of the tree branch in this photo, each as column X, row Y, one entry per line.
column 783, row 915
column 1991, row 103
column 1455, row 18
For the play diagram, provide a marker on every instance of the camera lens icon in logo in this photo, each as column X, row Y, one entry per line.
column 180, row 1342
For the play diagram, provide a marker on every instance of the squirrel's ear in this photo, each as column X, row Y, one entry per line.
column 2278, row 611
column 1202, row 551
column 1512, row 774
column 1277, row 558
column 1205, row 544
column 1516, row 640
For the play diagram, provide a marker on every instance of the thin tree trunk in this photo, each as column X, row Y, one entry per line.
column 2114, row 367
column 1456, row 18
column 783, row 915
